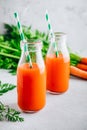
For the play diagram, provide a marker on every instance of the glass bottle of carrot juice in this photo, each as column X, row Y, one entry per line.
column 57, row 66
column 31, row 81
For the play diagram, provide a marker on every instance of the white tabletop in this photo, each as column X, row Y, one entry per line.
column 67, row 111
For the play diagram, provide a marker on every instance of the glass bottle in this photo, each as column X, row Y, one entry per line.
column 31, row 82
column 57, row 66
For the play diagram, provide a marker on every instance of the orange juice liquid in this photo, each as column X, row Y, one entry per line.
column 31, row 87
column 57, row 73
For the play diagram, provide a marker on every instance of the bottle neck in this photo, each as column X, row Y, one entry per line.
column 31, row 46
column 60, row 38
column 60, row 43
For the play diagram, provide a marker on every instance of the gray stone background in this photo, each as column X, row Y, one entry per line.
column 69, row 16
column 62, row 112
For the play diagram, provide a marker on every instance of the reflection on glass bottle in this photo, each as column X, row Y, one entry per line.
column 57, row 67
column 31, row 82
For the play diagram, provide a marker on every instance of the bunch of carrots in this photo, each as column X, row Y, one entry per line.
column 78, row 66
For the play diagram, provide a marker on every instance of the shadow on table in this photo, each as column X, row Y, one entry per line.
column 16, row 107
column 77, row 78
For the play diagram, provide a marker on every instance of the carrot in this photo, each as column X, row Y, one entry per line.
column 76, row 59
column 82, row 66
column 84, row 60
column 78, row 72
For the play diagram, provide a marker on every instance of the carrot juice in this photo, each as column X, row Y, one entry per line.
column 31, row 87
column 57, row 73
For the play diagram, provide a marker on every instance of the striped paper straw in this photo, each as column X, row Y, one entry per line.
column 51, row 33
column 22, row 38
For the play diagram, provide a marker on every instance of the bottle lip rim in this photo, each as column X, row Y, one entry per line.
column 60, row 34
column 32, row 42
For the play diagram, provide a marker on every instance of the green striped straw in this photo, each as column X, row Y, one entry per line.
column 22, row 38
column 51, row 33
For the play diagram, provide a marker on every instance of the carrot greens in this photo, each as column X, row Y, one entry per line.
column 9, row 114
column 10, row 50
column 5, row 87
column 6, row 112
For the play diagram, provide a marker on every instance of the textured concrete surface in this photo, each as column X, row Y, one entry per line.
column 62, row 112
column 69, row 16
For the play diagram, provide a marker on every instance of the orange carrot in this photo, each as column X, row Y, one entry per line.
column 78, row 72
column 84, row 60
column 82, row 66
column 75, row 59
